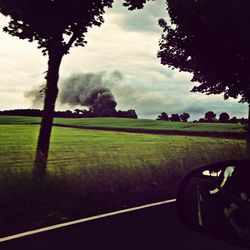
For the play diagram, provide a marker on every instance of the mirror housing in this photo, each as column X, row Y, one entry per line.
column 215, row 200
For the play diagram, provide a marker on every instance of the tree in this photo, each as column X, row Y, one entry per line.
column 77, row 111
column 175, row 118
column 57, row 25
column 132, row 114
column 210, row 39
column 224, row 117
column 233, row 120
column 184, row 117
column 210, row 116
column 163, row 117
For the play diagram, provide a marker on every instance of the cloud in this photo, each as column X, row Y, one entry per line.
column 140, row 22
column 143, row 20
column 171, row 95
column 202, row 103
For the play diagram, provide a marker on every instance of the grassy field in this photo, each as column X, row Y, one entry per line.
column 73, row 149
column 91, row 172
column 151, row 124
column 18, row 119
column 130, row 123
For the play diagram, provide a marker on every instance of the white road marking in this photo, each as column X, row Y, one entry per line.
column 44, row 229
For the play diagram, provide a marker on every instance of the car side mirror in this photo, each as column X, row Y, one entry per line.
column 215, row 200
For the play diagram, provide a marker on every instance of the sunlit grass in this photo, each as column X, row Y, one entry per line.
column 74, row 149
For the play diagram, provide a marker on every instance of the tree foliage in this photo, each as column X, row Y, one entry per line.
column 210, row 116
column 185, row 116
column 135, row 4
column 44, row 20
column 175, row 118
column 210, row 39
column 224, row 117
column 163, row 117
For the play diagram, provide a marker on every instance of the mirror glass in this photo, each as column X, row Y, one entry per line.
column 217, row 199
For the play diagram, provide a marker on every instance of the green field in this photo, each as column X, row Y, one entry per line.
column 71, row 148
column 6, row 119
column 130, row 123
column 151, row 124
column 92, row 171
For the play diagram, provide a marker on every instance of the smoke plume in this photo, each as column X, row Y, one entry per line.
column 36, row 95
column 90, row 90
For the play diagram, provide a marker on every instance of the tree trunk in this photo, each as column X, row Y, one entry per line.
column 248, row 133
column 51, row 91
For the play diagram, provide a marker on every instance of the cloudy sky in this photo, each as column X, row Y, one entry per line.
column 126, row 43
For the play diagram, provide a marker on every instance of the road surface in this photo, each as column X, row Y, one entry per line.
column 153, row 228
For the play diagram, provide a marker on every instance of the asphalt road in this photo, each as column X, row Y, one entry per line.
column 150, row 228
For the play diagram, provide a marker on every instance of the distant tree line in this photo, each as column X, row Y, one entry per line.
column 224, row 117
column 77, row 113
column 174, row 117
column 209, row 116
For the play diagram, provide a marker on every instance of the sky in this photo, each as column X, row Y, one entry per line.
column 126, row 43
